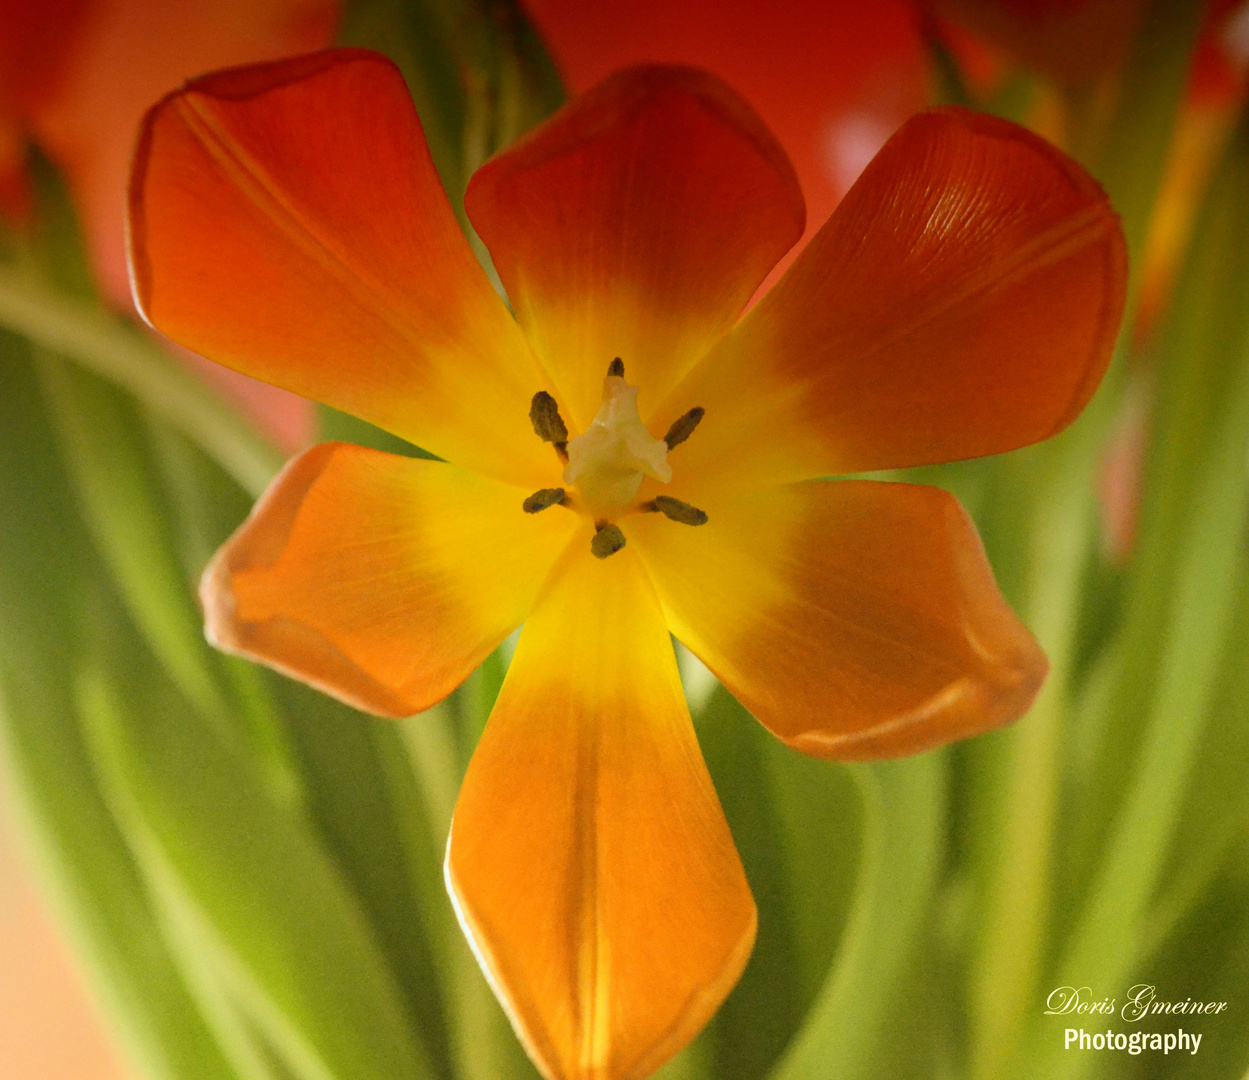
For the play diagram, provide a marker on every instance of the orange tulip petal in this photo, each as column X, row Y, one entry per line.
column 963, row 300
column 380, row 579
column 636, row 223
column 855, row 619
column 589, row 860
column 286, row 221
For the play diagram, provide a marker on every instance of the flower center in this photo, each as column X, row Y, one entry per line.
column 606, row 462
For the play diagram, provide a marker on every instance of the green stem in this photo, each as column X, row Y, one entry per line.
column 1017, row 919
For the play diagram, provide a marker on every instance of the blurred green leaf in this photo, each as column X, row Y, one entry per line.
column 364, row 799
column 47, row 572
column 130, row 358
column 1215, row 817
column 271, row 908
column 1208, row 958
column 204, row 506
column 1181, row 591
column 796, row 824
column 904, row 807
column 113, row 471
column 1020, row 770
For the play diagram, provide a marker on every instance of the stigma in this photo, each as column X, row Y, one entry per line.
column 607, row 461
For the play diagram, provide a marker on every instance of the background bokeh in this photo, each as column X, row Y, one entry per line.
column 914, row 915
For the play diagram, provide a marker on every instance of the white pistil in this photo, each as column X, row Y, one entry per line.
column 607, row 461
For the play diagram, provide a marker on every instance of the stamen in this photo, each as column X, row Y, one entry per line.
column 674, row 510
column 607, row 541
column 683, row 427
column 616, row 367
column 607, row 461
column 540, row 500
column 547, row 422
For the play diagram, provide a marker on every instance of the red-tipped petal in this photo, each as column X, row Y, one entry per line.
column 963, row 300
column 636, row 223
column 286, row 221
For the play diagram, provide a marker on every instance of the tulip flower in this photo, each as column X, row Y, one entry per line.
column 624, row 458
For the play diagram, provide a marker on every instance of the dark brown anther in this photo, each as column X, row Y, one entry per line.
column 540, row 500
column 674, row 510
column 616, row 367
column 683, row 427
column 607, row 541
column 547, row 422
